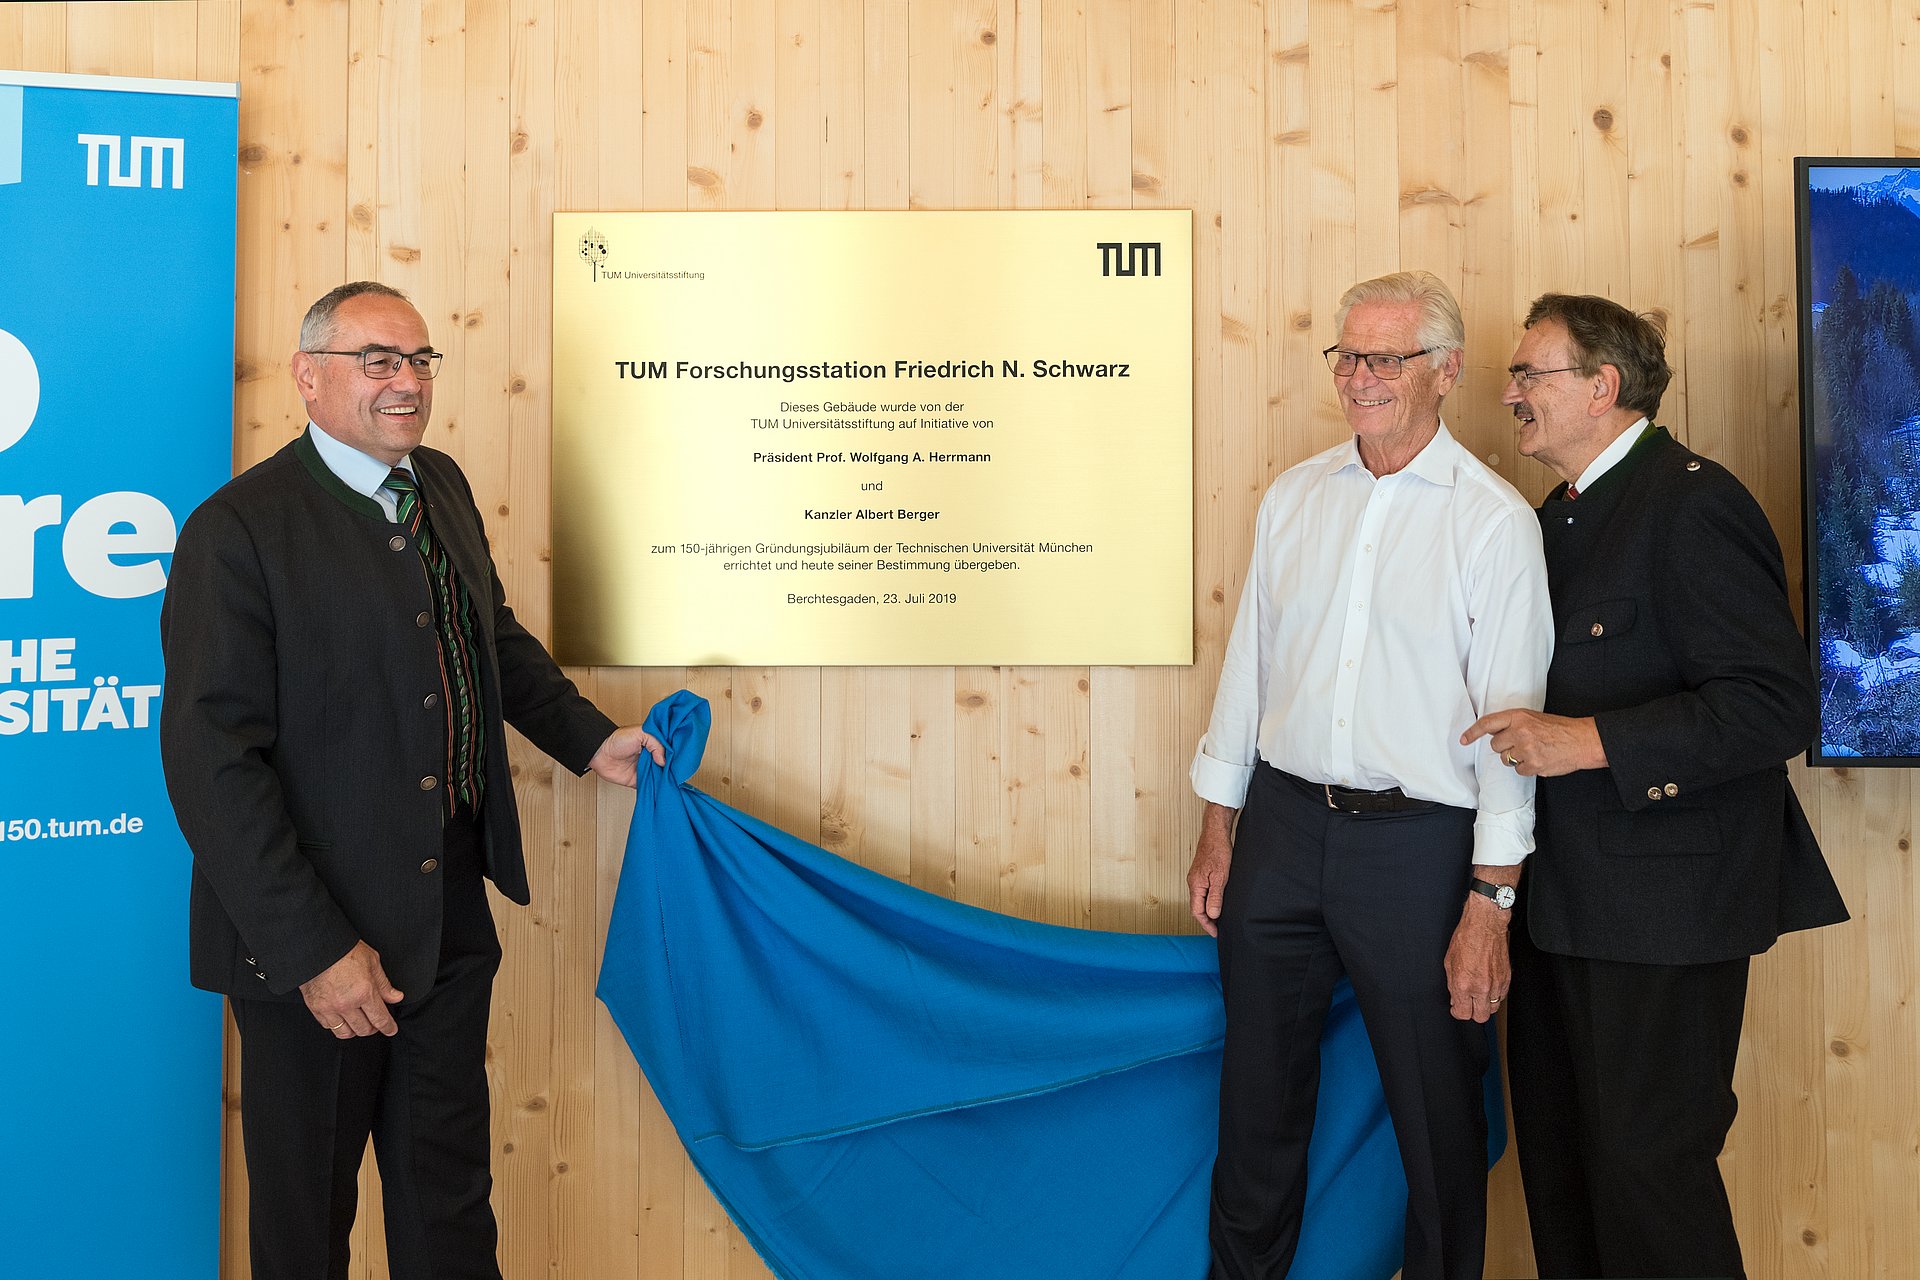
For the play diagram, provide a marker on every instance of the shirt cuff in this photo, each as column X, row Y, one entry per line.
column 1497, row 844
column 1218, row 781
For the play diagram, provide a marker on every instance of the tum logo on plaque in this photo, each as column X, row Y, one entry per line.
column 149, row 154
column 1141, row 258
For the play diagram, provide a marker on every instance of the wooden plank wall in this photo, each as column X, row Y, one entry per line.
column 1640, row 148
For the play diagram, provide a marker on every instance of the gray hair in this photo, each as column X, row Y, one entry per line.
column 317, row 330
column 1441, row 329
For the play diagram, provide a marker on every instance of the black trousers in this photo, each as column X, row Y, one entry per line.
column 1622, row 1084
column 1313, row 894
column 309, row 1102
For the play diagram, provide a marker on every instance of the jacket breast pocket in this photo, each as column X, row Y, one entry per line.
column 1601, row 620
column 1660, row 833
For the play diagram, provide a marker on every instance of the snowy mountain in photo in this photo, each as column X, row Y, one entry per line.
column 1901, row 185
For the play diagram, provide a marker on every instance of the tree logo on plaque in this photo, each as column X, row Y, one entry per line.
column 593, row 250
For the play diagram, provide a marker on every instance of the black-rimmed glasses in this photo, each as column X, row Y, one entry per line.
column 1385, row 366
column 385, row 364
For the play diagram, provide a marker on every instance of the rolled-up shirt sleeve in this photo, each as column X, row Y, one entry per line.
column 1224, row 764
column 1507, row 665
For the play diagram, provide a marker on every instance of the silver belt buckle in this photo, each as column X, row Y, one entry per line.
column 1328, row 788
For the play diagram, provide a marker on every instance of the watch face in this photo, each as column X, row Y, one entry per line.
column 1503, row 896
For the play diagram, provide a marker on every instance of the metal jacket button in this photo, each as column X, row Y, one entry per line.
column 1672, row 789
column 429, row 783
column 1598, row 630
column 431, row 701
column 1653, row 793
column 427, row 867
column 397, row 543
column 422, row 618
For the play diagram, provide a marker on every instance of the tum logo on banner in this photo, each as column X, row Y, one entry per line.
column 142, row 153
column 1141, row 258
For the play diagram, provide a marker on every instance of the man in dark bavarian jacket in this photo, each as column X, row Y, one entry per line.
column 1671, row 847
column 341, row 665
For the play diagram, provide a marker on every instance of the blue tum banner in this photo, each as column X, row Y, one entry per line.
column 116, row 419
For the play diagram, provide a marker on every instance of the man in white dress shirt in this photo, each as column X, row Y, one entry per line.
column 1396, row 593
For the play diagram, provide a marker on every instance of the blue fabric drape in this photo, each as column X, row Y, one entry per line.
column 879, row 1082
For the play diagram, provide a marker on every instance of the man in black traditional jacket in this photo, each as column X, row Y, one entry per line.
column 1671, row 848
column 341, row 666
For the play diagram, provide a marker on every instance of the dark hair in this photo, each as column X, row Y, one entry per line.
column 317, row 329
column 1604, row 332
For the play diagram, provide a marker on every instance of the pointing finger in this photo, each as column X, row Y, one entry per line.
column 1493, row 722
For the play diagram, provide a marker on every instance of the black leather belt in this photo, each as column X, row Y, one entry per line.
column 1355, row 800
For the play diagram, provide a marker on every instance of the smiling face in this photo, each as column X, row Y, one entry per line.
column 386, row 419
column 1392, row 414
column 1563, row 419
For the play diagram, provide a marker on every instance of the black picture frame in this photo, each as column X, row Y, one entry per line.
column 1857, row 239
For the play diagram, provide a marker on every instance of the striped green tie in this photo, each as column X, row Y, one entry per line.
column 459, row 668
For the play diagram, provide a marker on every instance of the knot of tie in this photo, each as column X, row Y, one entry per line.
column 406, row 506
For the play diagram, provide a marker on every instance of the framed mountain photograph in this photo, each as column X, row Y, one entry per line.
column 1859, row 260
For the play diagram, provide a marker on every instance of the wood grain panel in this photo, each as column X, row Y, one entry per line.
column 1640, row 147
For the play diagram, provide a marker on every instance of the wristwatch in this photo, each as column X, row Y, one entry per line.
column 1502, row 894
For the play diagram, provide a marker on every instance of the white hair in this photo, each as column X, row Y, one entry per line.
column 1441, row 330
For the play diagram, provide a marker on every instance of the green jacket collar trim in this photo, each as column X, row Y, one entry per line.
column 317, row 468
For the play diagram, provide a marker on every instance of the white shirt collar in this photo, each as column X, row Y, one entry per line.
column 1610, row 456
column 1434, row 463
column 360, row 472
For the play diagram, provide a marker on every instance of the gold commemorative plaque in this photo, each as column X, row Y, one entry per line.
column 873, row 438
